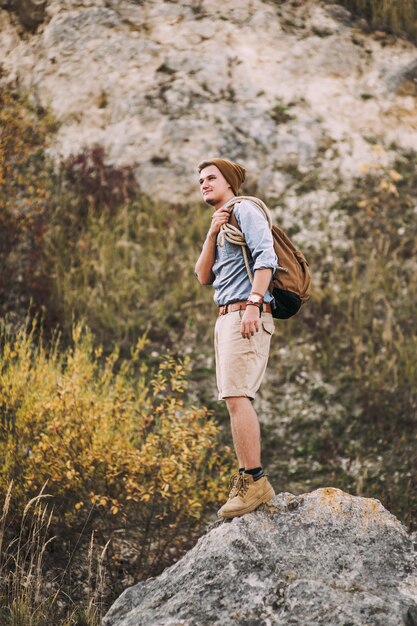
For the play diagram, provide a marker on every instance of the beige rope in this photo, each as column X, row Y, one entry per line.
column 261, row 205
column 234, row 235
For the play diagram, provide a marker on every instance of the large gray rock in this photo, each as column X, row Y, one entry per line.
column 324, row 558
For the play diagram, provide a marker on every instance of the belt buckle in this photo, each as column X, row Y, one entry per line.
column 223, row 309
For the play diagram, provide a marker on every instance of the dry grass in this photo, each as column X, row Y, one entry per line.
column 348, row 379
column 29, row 596
column 398, row 17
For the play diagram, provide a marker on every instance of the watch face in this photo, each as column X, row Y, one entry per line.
column 255, row 298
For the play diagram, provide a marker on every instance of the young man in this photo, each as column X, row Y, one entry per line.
column 245, row 324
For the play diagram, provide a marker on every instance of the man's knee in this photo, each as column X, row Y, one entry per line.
column 233, row 403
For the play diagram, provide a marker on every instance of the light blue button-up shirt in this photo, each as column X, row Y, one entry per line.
column 231, row 282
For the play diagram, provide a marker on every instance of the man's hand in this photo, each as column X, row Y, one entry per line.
column 221, row 216
column 204, row 266
column 250, row 321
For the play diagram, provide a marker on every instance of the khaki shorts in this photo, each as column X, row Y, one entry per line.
column 240, row 362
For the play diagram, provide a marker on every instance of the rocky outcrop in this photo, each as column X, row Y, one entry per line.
column 320, row 559
column 295, row 90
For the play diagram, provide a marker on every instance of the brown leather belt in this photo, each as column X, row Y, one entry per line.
column 241, row 306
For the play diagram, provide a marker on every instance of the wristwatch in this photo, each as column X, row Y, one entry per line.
column 256, row 299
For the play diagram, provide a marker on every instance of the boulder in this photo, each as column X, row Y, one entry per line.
column 322, row 558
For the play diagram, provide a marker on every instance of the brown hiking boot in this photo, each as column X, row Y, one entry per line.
column 249, row 494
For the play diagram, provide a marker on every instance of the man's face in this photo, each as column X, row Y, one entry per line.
column 214, row 187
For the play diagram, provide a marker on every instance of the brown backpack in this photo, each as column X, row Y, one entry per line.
column 291, row 281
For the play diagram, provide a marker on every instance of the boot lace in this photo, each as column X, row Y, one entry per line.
column 233, row 485
column 242, row 485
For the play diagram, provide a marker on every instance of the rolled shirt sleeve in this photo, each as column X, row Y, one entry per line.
column 257, row 233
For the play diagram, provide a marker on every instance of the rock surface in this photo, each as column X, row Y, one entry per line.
column 324, row 558
column 288, row 88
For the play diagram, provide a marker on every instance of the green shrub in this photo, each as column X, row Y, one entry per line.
column 81, row 240
column 355, row 427
column 125, row 269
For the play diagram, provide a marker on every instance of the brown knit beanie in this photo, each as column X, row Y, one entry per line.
column 233, row 172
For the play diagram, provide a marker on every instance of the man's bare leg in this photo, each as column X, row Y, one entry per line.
column 253, row 488
column 235, row 443
column 245, row 431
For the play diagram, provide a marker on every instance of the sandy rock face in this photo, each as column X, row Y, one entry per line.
column 284, row 89
column 323, row 558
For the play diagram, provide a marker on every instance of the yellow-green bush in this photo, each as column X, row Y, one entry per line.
column 26, row 182
column 118, row 445
column 25, row 174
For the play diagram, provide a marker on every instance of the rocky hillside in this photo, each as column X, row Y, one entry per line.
column 298, row 91
column 317, row 559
